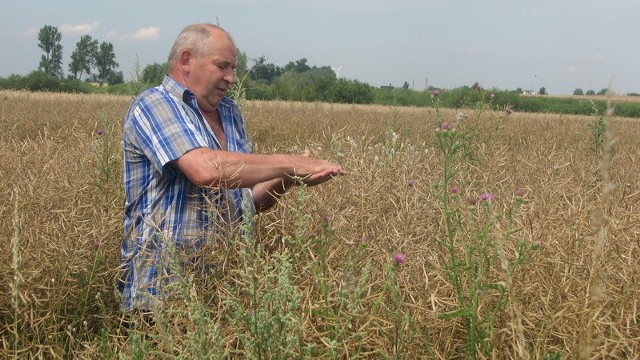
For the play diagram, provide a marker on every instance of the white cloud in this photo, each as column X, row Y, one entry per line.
column 30, row 33
column 79, row 29
column 147, row 33
column 571, row 69
column 594, row 57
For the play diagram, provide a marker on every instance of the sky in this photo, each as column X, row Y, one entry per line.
column 561, row 45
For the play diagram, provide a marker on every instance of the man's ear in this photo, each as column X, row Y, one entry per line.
column 186, row 59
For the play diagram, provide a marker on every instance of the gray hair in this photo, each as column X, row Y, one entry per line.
column 195, row 38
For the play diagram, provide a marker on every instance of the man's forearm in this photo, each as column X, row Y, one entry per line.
column 207, row 167
column 266, row 194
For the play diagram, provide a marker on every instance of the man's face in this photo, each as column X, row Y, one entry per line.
column 212, row 74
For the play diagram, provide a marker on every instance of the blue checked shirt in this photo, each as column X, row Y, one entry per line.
column 161, row 205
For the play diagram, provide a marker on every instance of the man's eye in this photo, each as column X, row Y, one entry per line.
column 224, row 66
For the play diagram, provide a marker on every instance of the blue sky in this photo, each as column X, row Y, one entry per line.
column 559, row 44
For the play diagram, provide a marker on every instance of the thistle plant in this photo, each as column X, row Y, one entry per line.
column 394, row 304
column 137, row 85
column 471, row 133
column 107, row 154
column 474, row 245
column 392, row 143
column 263, row 302
column 598, row 128
column 600, row 220
column 16, row 327
column 321, row 249
column 343, row 301
column 198, row 334
column 302, row 236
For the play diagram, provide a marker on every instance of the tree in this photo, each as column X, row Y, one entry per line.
column 83, row 57
column 578, row 92
column 299, row 66
column 116, row 77
column 49, row 41
column 352, row 92
column 591, row 92
column 154, row 74
column 263, row 71
column 602, row 92
column 543, row 91
column 315, row 84
column 105, row 62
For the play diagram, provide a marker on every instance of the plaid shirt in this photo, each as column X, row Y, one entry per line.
column 161, row 204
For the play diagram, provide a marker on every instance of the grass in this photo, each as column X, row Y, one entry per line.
column 321, row 280
column 616, row 98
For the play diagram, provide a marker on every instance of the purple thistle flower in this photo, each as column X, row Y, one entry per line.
column 454, row 190
column 96, row 244
column 435, row 92
column 411, row 182
column 399, row 258
column 472, row 201
column 509, row 109
column 444, row 126
column 99, row 132
column 520, row 193
column 487, row 197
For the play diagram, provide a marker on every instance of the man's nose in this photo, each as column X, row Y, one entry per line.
column 230, row 76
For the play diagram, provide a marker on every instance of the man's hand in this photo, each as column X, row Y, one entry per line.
column 319, row 178
column 324, row 175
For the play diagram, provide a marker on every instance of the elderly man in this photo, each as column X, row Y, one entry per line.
column 189, row 174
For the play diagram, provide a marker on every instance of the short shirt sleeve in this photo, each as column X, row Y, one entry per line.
column 164, row 129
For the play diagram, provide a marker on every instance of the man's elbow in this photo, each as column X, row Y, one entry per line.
column 201, row 178
column 213, row 179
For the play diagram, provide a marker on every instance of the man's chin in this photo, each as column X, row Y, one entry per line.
column 217, row 98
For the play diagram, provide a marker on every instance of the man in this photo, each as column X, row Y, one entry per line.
column 189, row 174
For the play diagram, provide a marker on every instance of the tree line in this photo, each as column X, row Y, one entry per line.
column 579, row 91
column 95, row 62
column 257, row 79
column 88, row 56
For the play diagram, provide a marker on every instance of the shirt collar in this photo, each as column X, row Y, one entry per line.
column 187, row 96
column 177, row 90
